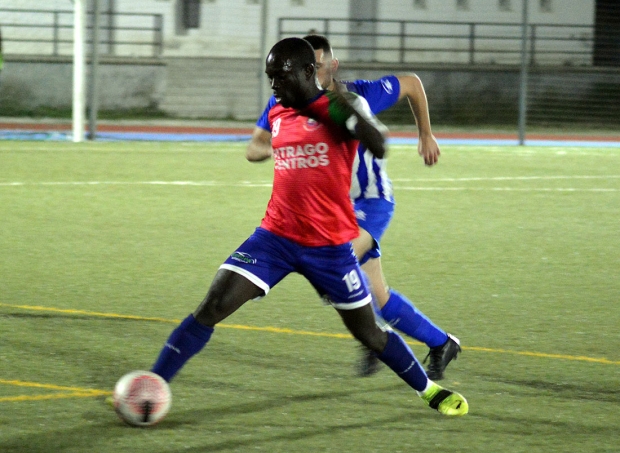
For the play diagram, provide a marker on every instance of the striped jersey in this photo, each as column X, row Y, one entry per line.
column 370, row 178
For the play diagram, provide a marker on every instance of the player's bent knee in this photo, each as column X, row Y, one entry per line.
column 207, row 313
column 215, row 307
column 227, row 293
column 374, row 339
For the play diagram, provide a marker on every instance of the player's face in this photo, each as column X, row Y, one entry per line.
column 324, row 68
column 287, row 81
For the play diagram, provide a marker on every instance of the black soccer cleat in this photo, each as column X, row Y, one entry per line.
column 369, row 363
column 440, row 356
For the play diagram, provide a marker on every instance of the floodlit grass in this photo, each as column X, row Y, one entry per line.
column 105, row 246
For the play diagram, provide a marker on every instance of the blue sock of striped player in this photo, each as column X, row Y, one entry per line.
column 398, row 356
column 184, row 342
column 400, row 313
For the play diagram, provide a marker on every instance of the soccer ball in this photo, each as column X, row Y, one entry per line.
column 142, row 398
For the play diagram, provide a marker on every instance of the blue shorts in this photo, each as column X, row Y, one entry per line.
column 265, row 259
column 374, row 215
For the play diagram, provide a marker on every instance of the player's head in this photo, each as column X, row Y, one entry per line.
column 290, row 67
column 326, row 64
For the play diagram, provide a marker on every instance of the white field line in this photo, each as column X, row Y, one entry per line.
column 398, row 187
column 140, row 183
column 505, row 178
column 508, row 189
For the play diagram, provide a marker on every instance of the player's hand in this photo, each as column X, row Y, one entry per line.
column 428, row 148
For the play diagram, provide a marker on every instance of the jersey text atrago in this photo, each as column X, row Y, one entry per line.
column 297, row 157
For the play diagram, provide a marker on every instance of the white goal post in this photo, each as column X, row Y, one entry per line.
column 79, row 69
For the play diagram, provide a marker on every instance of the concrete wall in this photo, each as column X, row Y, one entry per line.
column 221, row 88
column 487, row 95
column 28, row 84
column 456, row 96
column 226, row 88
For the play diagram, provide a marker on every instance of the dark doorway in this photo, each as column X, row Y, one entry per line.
column 607, row 33
column 191, row 13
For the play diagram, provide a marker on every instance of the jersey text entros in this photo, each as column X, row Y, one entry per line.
column 313, row 161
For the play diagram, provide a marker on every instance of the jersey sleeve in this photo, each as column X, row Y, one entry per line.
column 263, row 121
column 340, row 114
column 381, row 94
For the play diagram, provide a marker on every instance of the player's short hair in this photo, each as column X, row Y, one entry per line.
column 298, row 50
column 320, row 42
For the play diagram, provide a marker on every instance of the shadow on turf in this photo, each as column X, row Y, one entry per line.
column 255, row 441
column 566, row 391
column 107, row 364
column 527, row 425
column 281, row 401
column 420, row 413
column 105, row 425
column 78, row 316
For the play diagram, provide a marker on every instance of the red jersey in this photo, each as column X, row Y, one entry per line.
column 310, row 201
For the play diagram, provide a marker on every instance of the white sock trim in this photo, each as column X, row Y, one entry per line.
column 429, row 384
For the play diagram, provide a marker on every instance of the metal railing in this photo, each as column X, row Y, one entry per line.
column 47, row 32
column 405, row 41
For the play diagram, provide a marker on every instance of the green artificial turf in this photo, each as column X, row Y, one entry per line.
column 104, row 247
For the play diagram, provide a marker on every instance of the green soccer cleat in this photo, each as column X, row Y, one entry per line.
column 444, row 401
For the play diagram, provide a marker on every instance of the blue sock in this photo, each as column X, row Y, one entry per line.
column 184, row 342
column 400, row 313
column 401, row 360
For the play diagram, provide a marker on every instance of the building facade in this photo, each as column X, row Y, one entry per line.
column 204, row 58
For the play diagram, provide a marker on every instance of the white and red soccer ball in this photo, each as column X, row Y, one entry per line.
column 142, row 398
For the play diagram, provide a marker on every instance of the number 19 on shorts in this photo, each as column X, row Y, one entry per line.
column 352, row 280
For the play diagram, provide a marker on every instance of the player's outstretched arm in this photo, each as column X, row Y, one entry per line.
column 259, row 148
column 411, row 87
column 368, row 134
column 362, row 124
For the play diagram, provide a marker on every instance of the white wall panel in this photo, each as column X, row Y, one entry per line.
column 232, row 28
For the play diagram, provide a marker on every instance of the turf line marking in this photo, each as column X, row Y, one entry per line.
column 301, row 332
column 89, row 313
column 54, row 396
column 579, row 358
column 45, row 386
column 68, row 392
column 286, row 331
column 268, row 184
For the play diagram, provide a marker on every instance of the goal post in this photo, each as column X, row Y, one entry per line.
column 79, row 69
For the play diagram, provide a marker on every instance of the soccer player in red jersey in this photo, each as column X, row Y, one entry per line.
column 373, row 199
column 309, row 224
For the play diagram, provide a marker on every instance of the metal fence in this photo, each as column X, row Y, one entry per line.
column 46, row 32
column 404, row 41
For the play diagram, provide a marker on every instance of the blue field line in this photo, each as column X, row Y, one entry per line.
column 124, row 136
column 186, row 137
column 571, row 143
column 33, row 135
column 169, row 137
